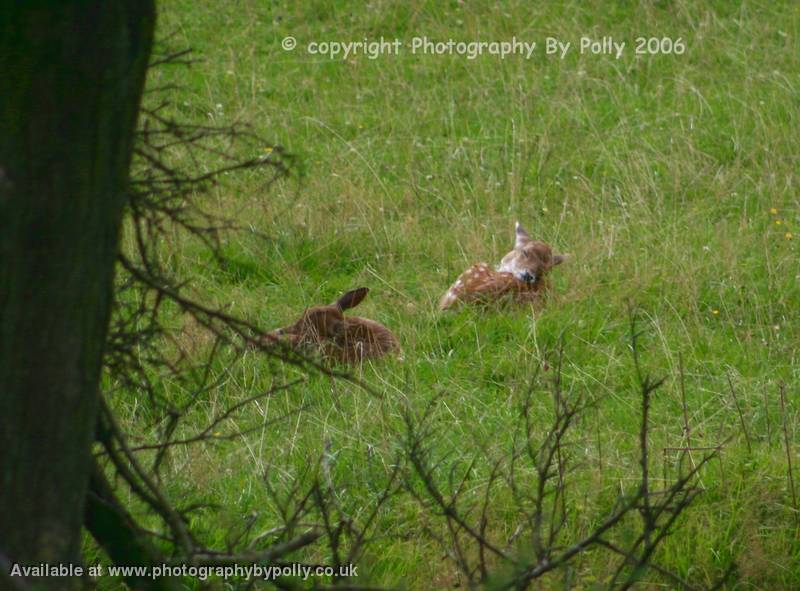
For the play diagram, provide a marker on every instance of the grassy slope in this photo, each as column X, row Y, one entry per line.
column 657, row 174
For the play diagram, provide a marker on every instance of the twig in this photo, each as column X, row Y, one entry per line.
column 766, row 416
column 262, row 556
column 659, row 569
column 686, row 430
column 171, row 516
column 788, row 453
column 741, row 414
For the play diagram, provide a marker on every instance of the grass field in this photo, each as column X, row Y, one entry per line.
column 671, row 180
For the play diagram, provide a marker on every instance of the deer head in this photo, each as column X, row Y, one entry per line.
column 321, row 323
column 530, row 260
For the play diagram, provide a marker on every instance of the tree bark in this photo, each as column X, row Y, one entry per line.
column 71, row 78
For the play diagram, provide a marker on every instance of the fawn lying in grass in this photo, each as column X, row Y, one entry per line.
column 340, row 338
column 520, row 277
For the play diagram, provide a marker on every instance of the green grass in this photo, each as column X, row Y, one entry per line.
column 672, row 181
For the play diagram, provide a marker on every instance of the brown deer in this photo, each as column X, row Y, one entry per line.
column 521, row 276
column 340, row 338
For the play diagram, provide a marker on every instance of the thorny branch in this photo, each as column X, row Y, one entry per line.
column 175, row 164
column 541, row 500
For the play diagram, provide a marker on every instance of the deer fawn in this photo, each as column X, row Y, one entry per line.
column 521, row 275
column 344, row 339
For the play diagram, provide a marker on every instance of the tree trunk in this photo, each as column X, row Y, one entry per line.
column 71, row 77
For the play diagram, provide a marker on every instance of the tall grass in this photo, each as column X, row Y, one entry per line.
column 671, row 180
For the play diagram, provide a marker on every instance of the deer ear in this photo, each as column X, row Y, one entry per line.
column 559, row 258
column 522, row 236
column 352, row 298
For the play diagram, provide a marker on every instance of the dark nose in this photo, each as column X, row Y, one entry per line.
column 528, row 277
